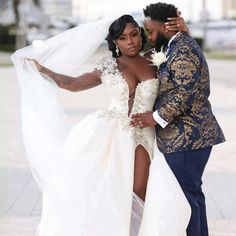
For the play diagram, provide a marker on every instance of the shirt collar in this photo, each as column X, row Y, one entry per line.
column 173, row 37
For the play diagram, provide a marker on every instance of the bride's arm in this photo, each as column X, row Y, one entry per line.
column 74, row 84
column 82, row 82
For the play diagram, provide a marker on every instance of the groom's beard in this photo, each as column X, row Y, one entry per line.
column 161, row 41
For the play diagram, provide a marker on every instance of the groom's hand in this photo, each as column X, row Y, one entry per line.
column 177, row 23
column 143, row 120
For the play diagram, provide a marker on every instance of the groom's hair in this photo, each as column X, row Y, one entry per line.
column 160, row 11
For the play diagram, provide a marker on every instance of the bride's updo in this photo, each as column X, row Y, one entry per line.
column 117, row 28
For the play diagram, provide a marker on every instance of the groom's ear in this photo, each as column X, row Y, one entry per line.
column 178, row 12
column 164, row 27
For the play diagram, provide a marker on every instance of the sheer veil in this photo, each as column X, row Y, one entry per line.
column 44, row 123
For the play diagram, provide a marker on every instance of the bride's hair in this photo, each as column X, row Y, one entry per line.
column 117, row 28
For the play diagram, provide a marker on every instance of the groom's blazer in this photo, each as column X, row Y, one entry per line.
column 183, row 99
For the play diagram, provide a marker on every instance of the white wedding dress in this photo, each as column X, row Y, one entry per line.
column 86, row 172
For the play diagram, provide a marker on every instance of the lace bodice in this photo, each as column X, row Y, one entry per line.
column 145, row 96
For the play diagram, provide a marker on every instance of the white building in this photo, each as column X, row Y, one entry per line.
column 58, row 7
column 191, row 9
column 217, row 9
column 229, row 8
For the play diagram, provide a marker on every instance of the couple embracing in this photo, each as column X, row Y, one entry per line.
column 135, row 168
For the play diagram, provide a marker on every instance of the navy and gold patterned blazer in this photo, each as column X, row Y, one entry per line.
column 183, row 99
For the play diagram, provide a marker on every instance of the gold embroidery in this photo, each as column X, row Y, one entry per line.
column 183, row 100
column 183, row 71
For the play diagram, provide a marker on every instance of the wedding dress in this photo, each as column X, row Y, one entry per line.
column 86, row 172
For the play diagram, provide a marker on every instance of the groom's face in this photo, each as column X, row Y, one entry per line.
column 156, row 33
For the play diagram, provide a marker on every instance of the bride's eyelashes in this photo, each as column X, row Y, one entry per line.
column 122, row 38
column 133, row 34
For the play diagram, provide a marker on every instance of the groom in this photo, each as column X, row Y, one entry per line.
column 186, row 128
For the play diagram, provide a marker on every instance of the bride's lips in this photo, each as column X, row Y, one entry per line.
column 132, row 49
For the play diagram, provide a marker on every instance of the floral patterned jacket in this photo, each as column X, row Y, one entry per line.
column 183, row 99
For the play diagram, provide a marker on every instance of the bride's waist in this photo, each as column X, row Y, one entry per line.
column 120, row 114
column 125, row 120
column 119, row 110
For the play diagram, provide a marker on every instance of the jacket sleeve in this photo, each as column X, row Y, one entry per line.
column 184, row 73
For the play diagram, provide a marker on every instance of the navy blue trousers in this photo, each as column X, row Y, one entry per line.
column 188, row 167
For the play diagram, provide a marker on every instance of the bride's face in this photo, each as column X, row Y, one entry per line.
column 130, row 41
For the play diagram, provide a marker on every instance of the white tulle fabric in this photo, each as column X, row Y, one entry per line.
column 86, row 172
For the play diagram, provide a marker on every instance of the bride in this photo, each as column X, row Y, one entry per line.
column 96, row 176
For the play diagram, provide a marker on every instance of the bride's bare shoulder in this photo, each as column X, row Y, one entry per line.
column 146, row 61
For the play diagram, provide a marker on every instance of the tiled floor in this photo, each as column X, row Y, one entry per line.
column 20, row 199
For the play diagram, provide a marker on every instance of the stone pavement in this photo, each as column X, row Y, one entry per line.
column 20, row 198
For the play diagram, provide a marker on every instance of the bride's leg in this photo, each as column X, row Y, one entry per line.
column 141, row 171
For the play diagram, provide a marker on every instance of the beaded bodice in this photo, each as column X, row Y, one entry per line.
column 145, row 96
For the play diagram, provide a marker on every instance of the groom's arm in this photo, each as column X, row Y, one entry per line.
column 185, row 70
column 185, row 73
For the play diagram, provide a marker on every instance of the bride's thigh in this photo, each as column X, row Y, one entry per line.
column 141, row 171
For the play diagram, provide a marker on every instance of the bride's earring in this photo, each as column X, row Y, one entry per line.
column 141, row 40
column 117, row 50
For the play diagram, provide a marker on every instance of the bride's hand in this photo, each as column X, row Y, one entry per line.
column 176, row 23
column 37, row 64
